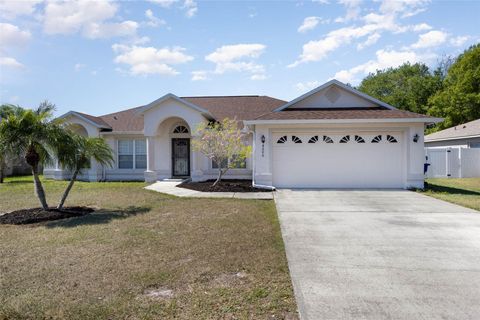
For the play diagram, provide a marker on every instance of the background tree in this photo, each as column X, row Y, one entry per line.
column 222, row 142
column 459, row 100
column 77, row 156
column 6, row 152
column 407, row 87
column 36, row 135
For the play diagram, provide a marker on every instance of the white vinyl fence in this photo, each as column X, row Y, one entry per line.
column 453, row 162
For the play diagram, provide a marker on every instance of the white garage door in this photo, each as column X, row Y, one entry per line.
column 318, row 160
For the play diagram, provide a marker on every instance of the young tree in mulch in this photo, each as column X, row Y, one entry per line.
column 222, row 142
column 37, row 136
column 77, row 157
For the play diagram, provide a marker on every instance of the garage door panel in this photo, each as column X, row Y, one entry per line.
column 337, row 165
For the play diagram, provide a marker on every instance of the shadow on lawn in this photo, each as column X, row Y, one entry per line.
column 444, row 189
column 98, row 217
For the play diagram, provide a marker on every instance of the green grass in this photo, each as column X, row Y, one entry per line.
column 101, row 266
column 465, row 191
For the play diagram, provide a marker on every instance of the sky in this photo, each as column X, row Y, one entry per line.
column 99, row 57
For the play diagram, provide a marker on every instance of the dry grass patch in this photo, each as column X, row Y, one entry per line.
column 144, row 256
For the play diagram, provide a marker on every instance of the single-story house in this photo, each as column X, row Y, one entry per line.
column 466, row 135
column 331, row 137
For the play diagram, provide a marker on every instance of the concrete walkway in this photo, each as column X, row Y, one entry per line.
column 380, row 255
column 170, row 187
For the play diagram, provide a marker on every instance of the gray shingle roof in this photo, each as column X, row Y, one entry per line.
column 468, row 129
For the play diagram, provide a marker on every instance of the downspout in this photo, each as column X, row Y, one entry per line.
column 259, row 186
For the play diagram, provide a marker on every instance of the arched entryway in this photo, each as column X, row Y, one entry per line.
column 180, row 137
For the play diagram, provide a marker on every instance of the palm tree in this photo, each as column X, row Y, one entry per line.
column 78, row 155
column 35, row 134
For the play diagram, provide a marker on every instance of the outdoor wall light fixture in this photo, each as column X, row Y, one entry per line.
column 415, row 138
column 263, row 144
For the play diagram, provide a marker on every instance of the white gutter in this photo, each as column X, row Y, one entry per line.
column 335, row 121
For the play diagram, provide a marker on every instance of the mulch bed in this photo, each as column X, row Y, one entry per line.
column 222, row 186
column 34, row 215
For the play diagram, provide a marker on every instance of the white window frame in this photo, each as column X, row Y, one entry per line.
column 134, row 154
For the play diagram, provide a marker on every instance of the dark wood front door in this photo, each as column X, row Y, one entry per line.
column 180, row 157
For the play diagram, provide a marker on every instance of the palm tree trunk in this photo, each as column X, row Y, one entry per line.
column 39, row 191
column 2, row 169
column 67, row 191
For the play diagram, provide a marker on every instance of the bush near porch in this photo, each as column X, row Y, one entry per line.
column 143, row 255
column 463, row 191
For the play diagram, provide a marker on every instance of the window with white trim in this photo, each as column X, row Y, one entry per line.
column 132, row 154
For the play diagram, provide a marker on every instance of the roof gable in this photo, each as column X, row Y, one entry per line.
column 334, row 95
column 169, row 96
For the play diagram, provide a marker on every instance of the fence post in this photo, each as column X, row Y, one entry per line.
column 447, row 162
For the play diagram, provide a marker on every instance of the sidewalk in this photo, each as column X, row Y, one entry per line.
column 170, row 187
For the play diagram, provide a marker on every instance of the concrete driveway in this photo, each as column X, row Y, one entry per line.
column 380, row 255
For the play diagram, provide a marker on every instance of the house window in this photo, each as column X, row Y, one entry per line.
column 313, row 139
column 180, row 129
column 282, row 139
column 234, row 163
column 327, row 139
column 359, row 139
column 377, row 139
column 296, row 139
column 391, row 139
column 345, row 139
column 132, row 154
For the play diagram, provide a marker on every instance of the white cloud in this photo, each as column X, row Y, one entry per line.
column 164, row 3
column 79, row 66
column 199, row 75
column 152, row 20
column 353, row 10
column 372, row 39
column 459, row 41
column 421, row 27
column 12, row 36
column 10, row 62
column 191, row 8
column 238, row 57
column 10, row 9
column 307, row 86
column 372, row 26
column 309, row 23
column 384, row 59
column 88, row 17
column 108, row 30
column 430, row 39
column 150, row 60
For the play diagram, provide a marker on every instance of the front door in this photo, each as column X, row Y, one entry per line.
column 180, row 157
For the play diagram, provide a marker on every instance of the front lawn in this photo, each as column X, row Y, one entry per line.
column 143, row 255
column 465, row 191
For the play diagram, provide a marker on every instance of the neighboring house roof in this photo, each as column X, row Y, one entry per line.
column 467, row 130
column 96, row 121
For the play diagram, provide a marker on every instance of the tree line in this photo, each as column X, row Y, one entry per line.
column 451, row 90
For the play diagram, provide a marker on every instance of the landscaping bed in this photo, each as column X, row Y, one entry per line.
column 223, row 186
column 34, row 215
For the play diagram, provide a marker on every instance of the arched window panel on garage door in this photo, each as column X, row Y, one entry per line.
column 359, row 139
column 313, row 139
column 391, row 139
column 296, row 139
column 282, row 139
column 327, row 139
column 377, row 139
column 345, row 139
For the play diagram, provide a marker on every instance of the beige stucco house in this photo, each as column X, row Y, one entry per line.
column 331, row 137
